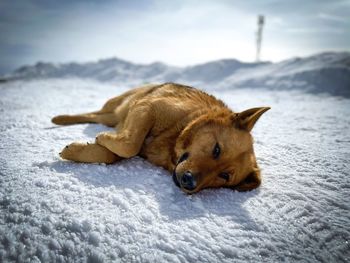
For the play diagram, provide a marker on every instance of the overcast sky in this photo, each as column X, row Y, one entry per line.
column 178, row 32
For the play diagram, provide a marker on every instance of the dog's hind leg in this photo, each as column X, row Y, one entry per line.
column 88, row 153
column 128, row 142
column 108, row 119
column 106, row 115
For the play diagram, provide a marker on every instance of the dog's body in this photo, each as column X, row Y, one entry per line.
column 182, row 129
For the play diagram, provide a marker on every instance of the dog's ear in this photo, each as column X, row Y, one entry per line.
column 252, row 181
column 246, row 120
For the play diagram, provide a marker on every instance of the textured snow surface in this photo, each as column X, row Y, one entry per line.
column 57, row 211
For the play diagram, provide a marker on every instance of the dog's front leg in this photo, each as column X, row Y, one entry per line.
column 88, row 153
column 128, row 142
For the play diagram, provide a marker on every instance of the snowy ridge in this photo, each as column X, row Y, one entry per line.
column 321, row 73
column 325, row 72
column 57, row 211
column 103, row 70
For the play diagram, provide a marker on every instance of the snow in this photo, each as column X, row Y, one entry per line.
column 58, row 211
column 322, row 73
column 327, row 72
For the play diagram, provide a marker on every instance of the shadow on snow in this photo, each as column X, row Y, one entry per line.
column 140, row 176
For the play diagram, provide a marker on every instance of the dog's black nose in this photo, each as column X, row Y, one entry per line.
column 188, row 181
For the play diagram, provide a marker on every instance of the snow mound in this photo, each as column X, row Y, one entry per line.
column 215, row 71
column 321, row 73
column 57, row 211
column 103, row 70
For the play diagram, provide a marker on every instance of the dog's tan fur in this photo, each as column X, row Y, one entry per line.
column 161, row 123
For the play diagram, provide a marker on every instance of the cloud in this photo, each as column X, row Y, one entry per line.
column 333, row 18
column 177, row 32
column 309, row 31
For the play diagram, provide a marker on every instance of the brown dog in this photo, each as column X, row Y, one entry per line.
column 182, row 129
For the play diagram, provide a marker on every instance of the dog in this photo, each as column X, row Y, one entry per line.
column 190, row 133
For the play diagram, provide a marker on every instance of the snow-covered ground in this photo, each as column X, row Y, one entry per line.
column 57, row 211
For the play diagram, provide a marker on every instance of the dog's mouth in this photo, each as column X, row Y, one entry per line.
column 175, row 180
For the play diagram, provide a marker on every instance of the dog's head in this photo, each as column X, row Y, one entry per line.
column 216, row 150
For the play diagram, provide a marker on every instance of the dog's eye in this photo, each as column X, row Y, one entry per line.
column 225, row 176
column 216, row 151
column 183, row 157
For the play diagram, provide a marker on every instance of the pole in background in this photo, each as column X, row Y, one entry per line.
column 261, row 21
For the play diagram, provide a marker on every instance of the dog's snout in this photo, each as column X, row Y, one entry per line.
column 188, row 181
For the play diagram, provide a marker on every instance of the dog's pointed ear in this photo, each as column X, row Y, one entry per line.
column 252, row 181
column 246, row 120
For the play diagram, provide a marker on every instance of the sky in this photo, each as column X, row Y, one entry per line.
column 178, row 32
